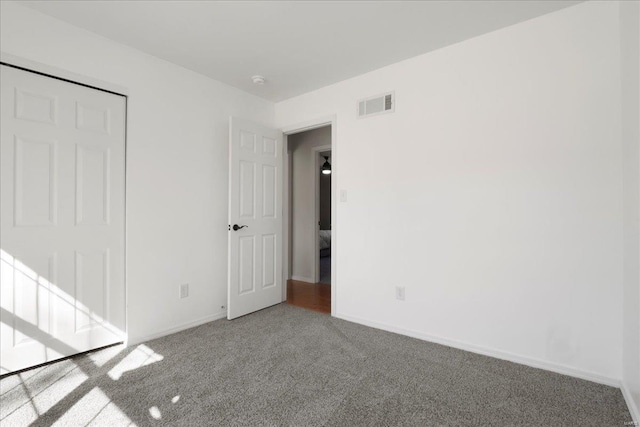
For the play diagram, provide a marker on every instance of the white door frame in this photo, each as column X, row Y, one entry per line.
column 315, row 181
column 80, row 79
column 330, row 120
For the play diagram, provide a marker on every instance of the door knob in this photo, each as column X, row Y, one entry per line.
column 237, row 227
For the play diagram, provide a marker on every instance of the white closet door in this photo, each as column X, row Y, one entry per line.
column 62, row 170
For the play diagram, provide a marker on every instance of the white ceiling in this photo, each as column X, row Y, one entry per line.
column 298, row 46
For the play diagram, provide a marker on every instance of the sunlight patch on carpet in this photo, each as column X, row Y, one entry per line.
column 141, row 356
column 93, row 408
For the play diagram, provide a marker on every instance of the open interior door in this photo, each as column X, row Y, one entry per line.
column 255, row 218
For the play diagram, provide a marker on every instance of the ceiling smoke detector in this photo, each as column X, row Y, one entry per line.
column 259, row 80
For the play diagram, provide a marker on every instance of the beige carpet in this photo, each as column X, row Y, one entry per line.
column 289, row 366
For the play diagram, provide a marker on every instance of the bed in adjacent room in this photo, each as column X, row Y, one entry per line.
column 325, row 243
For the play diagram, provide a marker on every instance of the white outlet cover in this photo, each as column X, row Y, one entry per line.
column 400, row 293
column 343, row 195
column 184, row 290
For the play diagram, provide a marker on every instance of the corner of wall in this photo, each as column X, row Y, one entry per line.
column 629, row 14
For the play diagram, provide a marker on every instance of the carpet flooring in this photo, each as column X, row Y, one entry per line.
column 289, row 366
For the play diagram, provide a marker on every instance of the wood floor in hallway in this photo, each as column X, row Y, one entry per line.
column 312, row 296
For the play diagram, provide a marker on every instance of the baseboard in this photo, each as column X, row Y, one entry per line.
column 631, row 404
column 498, row 354
column 302, row 279
column 181, row 327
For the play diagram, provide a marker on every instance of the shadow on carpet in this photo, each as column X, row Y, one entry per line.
column 289, row 366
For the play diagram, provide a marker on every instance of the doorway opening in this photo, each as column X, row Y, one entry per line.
column 323, row 203
column 309, row 225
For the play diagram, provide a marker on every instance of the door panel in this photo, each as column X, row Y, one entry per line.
column 269, row 191
column 62, row 219
column 255, row 201
column 92, row 185
column 269, row 260
column 35, row 182
column 247, row 189
column 246, row 269
column 38, row 107
column 92, row 289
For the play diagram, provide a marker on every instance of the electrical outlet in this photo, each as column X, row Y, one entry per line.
column 343, row 195
column 184, row 290
column 400, row 293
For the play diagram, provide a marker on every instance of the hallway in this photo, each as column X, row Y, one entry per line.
column 312, row 296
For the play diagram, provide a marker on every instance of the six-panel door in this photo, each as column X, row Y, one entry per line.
column 62, row 226
column 255, row 201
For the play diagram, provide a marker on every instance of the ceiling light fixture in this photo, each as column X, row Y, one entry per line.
column 259, row 80
column 326, row 167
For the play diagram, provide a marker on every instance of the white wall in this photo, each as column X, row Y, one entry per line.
column 302, row 213
column 493, row 193
column 177, row 167
column 630, row 69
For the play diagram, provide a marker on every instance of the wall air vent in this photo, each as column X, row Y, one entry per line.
column 379, row 104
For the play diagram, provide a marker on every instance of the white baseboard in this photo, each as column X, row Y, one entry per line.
column 303, row 279
column 181, row 327
column 498, row 354
column 631, row 404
